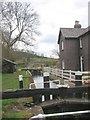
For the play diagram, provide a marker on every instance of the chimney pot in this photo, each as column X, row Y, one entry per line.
column 77, row 25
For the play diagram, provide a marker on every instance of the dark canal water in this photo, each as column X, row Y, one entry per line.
column 59, row 108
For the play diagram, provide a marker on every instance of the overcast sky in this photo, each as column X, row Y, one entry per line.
column 53, row 15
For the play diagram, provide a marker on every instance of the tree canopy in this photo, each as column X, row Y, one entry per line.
column 18, row 23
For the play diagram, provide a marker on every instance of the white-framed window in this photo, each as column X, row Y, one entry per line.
column 62, row 45
column 81, row 63
column 80, row 42
column 63, row 64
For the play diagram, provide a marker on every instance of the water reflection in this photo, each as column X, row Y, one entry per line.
column 38, row 80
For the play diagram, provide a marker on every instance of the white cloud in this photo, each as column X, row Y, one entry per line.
column 46, row 49
column 55, row 14
column 89, row 13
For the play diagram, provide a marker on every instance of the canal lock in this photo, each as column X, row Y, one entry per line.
column 57, row 107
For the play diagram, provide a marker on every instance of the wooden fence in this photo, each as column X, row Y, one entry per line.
column 69, row 75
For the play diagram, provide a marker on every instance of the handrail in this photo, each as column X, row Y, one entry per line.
column 68, row 74
column 43, row 83
column 42, row 116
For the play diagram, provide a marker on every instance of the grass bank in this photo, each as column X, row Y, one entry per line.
column 14, row 108
column 11, row 81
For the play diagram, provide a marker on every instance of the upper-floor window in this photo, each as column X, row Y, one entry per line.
column 80, row 42
column 62, row 45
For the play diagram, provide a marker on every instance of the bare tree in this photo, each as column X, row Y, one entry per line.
column 18, row 23
column 56, row 52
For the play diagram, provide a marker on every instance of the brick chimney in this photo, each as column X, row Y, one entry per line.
column 77, row 25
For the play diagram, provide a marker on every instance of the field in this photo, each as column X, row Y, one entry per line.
column 15, row 108
column 18, row 108
column 11, row 81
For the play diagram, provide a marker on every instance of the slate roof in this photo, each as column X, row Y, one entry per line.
column 85, row 31
column 71, row 32
column 9, row 61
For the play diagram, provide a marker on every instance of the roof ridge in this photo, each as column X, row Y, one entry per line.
column 9, row 60
column 74, row 28
column 71, row 32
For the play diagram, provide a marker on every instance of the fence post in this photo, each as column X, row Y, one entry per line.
column 46, row 84
column 78, row 82
column 88, row 94
column 62, row 80
column 62, row 74
column 78, row 78
column 20, row 81
column 70, row 75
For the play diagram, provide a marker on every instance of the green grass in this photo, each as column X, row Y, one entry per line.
column 16, row 114
column 10, row 81
column 10, row 106
column 9, row 101
column 47, row 61
column 14, row 108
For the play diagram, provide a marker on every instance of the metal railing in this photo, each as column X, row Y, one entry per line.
column 54, row 81
column 43, row 116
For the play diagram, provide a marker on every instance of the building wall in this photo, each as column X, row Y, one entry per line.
column 62, row 56
column 70, row 54
column 85, row 52
column 89, row 51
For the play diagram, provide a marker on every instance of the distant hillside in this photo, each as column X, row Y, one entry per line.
column 26, row 59
column 31, row 59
